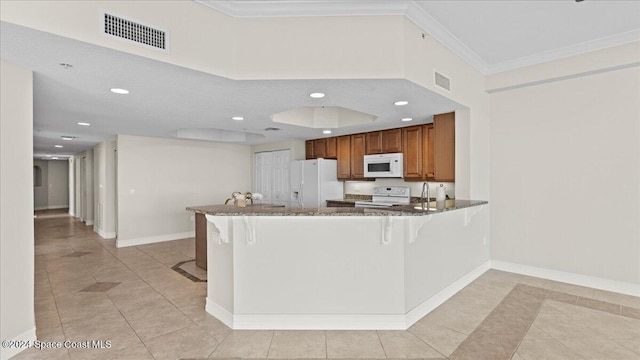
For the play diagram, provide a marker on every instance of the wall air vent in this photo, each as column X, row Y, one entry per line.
column 442, row 81
column 135, row 32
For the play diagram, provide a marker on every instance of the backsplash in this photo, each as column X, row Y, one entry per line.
column 366, row 187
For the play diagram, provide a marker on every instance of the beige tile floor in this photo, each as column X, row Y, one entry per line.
column 87, row 289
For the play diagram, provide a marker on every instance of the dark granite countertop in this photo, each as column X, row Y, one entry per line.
column 270, row 210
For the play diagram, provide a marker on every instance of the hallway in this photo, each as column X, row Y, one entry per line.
column 88, row 290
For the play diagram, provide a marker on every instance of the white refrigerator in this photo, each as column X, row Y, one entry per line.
column 313, row 182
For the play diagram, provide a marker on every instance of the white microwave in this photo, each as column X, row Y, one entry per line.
column 383, row 166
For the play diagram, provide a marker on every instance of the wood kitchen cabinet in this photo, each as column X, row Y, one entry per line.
column 319, row 148
column 344, row 157
column 444, row 147
column 384, row 142
column 392, row 141
column 331, row 151
column 428, row 150
column 428, row 160
column 308, row 150
column 412, row 152
column 374, row 142
column 358, row 149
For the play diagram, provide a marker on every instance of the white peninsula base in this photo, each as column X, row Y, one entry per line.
column 340, row 272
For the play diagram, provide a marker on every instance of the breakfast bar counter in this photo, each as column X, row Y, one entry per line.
column 340, row 268
column 397, row 210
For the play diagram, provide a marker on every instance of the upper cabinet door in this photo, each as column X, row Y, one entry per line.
column 320, row 148
column 444, row 147
column 374, row 142
column 412, row 151
column 308, row 150
column 428, row 162
column 344, row 157
column 331, row 148
column 358, row 147
column 391, row 141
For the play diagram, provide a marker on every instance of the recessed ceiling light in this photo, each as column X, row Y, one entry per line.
column 119, row 91
column 48, row 155
column 407, row 119
column 400, row 103
column 84, row 124
column 326, row 131
column 58, row 146
column 55, row 158
column 237, row 118
column 67, row 138
column 317, row 95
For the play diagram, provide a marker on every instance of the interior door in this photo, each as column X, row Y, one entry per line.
column 280, row 193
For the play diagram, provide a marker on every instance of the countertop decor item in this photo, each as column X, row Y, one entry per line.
column 240, row 199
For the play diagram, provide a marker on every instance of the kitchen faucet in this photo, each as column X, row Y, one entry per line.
column 425, row 188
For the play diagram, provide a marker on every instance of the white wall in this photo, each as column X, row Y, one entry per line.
column 105, row 189
column 159, row 178
column 58, row 183
column 16, row 210
column 41, row 193
column 565, row 175
column 54, row 192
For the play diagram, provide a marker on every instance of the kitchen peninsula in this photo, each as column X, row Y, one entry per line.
column 340, row 268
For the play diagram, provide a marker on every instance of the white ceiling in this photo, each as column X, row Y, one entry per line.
column 166, row 100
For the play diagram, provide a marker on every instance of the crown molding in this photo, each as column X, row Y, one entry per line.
column 430, row 25
column 413, row 12
column 577, row 49
column 266, row 8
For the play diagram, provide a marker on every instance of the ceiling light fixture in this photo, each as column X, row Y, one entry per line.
column 317, row 95
column 48, row 155
column 66, row 66
column 67, row 138
column 237, row 118
column 407, row 119
column 58, row 146
column 400, row 103
column 119, row 91
column 55, row 158
column 326, row 131
column 84, row 124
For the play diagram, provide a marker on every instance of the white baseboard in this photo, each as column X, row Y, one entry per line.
column 89, row 222
column 438, row 299
column 52, row 207
column 72, row 213
column 219, row 313
column 570, row 278
column 7, row 353
column 342, row 322
column 153, row 239
column 104, row 234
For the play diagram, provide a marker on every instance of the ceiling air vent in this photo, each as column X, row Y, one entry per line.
column 132, row 31
column 272, row 129
column 442, row 81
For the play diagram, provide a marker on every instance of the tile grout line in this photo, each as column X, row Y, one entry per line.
column 112, row 302
column 381, row 344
